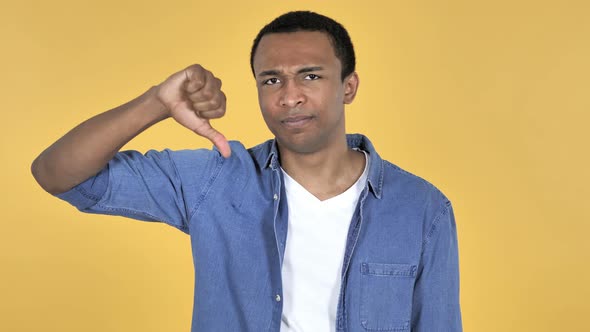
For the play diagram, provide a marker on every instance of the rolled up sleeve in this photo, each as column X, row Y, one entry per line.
column 146, row 187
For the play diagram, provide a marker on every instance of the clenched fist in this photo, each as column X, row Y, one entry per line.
column 193, row 96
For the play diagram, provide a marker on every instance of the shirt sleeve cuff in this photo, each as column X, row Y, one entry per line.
column 87, row 193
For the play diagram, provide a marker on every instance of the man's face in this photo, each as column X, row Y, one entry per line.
column 300, row 90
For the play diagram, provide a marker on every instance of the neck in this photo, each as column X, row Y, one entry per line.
column 325, row 173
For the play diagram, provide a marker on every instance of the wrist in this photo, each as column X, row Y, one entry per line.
column 154, row 105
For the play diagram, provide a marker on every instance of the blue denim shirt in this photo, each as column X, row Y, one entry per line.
column 400, row 270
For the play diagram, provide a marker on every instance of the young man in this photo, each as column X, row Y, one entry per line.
column 311, row 231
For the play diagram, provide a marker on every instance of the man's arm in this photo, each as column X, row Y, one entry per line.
column 191, row 96
column 436, row 306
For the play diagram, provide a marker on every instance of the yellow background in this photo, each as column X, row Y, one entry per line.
column 488, row 100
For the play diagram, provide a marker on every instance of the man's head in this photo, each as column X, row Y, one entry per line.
column 302, row 84
column 310, row 21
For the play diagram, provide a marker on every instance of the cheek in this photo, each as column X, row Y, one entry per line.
column 266, row 103
column 266, row 110
column 260, row 98
column 324, row 94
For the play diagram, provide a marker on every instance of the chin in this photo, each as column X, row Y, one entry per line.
column 300, row 145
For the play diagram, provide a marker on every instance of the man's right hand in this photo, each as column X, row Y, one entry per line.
column 193, row 96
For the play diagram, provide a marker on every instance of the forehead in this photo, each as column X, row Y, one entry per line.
column 294, row 49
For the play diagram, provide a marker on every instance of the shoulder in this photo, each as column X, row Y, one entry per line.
column 191, row 158
column 418, row 196
column 242, row 158
column 403, row 184
column 239, row 154
column 391, row 182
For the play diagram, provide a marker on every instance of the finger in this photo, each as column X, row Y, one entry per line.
column 196, row 78
column 216, row 138
column 214, row 114
column 215, row 103
column 208, row 91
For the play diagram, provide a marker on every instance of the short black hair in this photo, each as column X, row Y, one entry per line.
column 310, row 21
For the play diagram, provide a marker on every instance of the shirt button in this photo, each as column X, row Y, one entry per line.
column 278, row 298
column 275, row 197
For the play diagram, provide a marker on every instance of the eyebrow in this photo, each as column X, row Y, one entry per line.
column 274, row 72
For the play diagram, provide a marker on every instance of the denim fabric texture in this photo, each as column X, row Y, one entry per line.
column 400, row 269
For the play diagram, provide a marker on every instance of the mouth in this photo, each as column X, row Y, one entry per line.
column 297, row 121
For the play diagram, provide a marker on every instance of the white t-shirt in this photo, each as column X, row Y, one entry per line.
column 314, row 253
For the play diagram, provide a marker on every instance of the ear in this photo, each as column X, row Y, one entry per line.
column 351, row 84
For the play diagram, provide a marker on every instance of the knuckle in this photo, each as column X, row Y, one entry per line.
column 196, row 67
column 195, row 76
column 207, row 94
column 215, row 114
column 192, row 87
column 215, row 103
column 197, row 82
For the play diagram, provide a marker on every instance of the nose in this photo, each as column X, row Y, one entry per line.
column 291, row 95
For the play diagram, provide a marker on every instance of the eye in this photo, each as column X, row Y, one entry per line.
column 271, row 81
column 312, row 77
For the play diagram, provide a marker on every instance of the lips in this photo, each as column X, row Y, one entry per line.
column 297, row 121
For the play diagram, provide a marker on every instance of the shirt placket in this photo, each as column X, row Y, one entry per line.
column 351, row 241
column 280, row 231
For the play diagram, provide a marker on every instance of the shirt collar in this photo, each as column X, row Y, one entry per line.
column 359, row 141
column 375, row 176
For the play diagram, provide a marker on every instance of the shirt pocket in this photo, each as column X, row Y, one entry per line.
column 386, row 296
